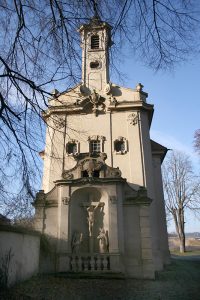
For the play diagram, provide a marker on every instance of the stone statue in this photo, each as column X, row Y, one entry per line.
column 77, row 239
column 91, row 212
column 103, row 240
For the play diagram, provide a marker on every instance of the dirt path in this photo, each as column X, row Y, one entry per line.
column 179, row 281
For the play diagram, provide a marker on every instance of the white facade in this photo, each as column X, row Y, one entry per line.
column 102, row 171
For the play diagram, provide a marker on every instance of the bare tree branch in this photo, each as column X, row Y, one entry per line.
column 39, row 46
column 182, row 191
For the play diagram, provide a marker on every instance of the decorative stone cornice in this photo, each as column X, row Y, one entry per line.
column 140, row 199
column 90, row 181
column 96, row 138
column 40, row 199
column 133, row 119
column 51, row 203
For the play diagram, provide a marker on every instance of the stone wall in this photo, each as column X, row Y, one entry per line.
column 19, row 253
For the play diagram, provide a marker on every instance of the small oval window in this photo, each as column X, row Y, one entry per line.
column 94, row 65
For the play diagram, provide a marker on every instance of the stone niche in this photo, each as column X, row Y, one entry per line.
column 88, row 203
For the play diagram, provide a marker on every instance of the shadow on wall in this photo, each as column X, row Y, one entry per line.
column 19, row 254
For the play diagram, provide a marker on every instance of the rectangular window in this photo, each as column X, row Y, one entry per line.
column 95, row 146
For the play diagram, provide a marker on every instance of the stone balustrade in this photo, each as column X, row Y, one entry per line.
column 90, row 263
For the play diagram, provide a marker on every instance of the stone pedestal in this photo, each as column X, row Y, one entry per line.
column 63, row 263
column 115, row 263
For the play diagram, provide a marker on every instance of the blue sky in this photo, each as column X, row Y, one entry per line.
column 175, row 95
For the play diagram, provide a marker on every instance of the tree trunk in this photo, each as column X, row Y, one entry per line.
column 178, row 216
column 182, row 244
column 182, row 229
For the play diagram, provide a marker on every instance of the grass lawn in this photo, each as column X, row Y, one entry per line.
column 187, row 253
column 179, row 281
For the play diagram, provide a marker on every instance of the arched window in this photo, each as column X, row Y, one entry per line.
column 95, row 41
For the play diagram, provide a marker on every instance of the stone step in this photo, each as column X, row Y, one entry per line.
column 92, row 275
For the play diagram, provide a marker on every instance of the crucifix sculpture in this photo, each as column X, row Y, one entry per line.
column 91, row 208
column 91, row 217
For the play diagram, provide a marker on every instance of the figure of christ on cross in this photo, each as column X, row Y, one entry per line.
column 91, row 216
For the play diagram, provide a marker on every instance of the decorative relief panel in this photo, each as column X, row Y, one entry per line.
column 65, row 200
column 97, row 102
column 96, row 138
column 94, row 167
column 67, row 175
column 108, row 88
column 133, row 119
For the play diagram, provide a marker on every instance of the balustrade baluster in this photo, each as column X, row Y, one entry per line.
column 73, row 263
column 92, row 262
column 108, row 262
column 98, row 263
column 103, row 263
column 83, row 263
column 79, row 262
column 88, row 263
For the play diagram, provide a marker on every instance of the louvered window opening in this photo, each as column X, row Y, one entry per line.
column 95, row 42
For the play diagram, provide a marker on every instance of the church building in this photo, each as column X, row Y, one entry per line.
column 102, row 204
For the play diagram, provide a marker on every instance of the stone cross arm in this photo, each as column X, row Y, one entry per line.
column 88, row 204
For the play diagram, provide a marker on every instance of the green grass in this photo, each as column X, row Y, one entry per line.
column 187, row 253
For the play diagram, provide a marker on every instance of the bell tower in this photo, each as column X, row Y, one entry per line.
column 95, row 43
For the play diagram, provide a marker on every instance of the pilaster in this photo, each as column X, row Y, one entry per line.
column 114, row 235
column 146, row 243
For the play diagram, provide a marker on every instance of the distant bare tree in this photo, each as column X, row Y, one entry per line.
column 197, row 141
column 182, row 191
column 40, row 48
